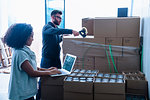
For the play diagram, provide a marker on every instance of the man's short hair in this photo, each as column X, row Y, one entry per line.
column 54, row 12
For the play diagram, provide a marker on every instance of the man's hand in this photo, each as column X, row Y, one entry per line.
column 75, row 33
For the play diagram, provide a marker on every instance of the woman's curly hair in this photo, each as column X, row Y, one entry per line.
column 17, row 35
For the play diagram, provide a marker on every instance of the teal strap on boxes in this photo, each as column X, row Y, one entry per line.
column 108, row 60
column 112, row 59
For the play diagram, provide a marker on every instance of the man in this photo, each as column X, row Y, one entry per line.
column 52, row 36
column 51, row 39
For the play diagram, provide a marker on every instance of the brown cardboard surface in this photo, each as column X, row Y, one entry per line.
column 52, row 92
column 80, row 87
column 113, row 41
column 113, row 88
column 94, row 40
column 82, row 47
column 77, row 96
column 85, row 63
column 130, row 51
column 115, row 50
column 128, row 63
column 88, row 23
column 104, row 27
column 136, row 82
column 109, row 96
column 47, row 80
column 128, row 27
column 69, row 46
column 91, row 50
column 138, row 91
column 101, row 64
column 134, row 42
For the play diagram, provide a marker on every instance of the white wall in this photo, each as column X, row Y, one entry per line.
column 75, row 10
column 142, row 8
column 3, row 17
column 24, row 11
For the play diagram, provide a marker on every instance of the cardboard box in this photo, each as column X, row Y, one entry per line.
column 73, row 47
column 104, row 27
column 114, row 50
column 103, row 96
column 94, row 46
column 128, row 27
column 85, row 63
column 143, row 92
column 128, row 63
column 133, row 42
column 47, row 80
column 102, row 64
column 52, row 88
column 94, row 41
column 113, row 41
column 84, row 47
column 78, row 88
column 109, row 88
column 52, row 92
column 77, row 96
column 136, row 84
column 88, row 23
column 130, row 51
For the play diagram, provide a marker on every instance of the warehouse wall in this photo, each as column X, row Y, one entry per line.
column 3, row 16
column 142, row 8
column 24, row 11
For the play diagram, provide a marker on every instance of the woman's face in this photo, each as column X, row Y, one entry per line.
column 30, row 39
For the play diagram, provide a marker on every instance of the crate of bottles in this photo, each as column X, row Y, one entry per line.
column 108, row 86
column 78, row 88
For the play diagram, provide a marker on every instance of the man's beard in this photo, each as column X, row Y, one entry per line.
column 56, row 22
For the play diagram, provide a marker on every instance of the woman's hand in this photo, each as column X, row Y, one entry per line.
column 51, row 68
column 54, row 71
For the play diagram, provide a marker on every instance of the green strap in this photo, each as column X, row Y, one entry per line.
column 108, row 60
column 142, row 60
column 112, row 59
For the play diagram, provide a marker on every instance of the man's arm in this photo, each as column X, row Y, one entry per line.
column 50, row 30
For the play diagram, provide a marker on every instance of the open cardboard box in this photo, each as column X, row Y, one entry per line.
column 78, row 88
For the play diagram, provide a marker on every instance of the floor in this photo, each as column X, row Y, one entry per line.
column 4, row 81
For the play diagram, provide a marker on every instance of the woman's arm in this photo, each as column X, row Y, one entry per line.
column 44, row 69
column 27, row 67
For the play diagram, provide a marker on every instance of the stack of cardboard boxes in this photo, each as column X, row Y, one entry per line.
column 108, row 86
column 136, row 83
column 93, row 85
column 79, row 85
column 116, row 37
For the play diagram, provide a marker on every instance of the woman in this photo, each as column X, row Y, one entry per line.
column 23, row 81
